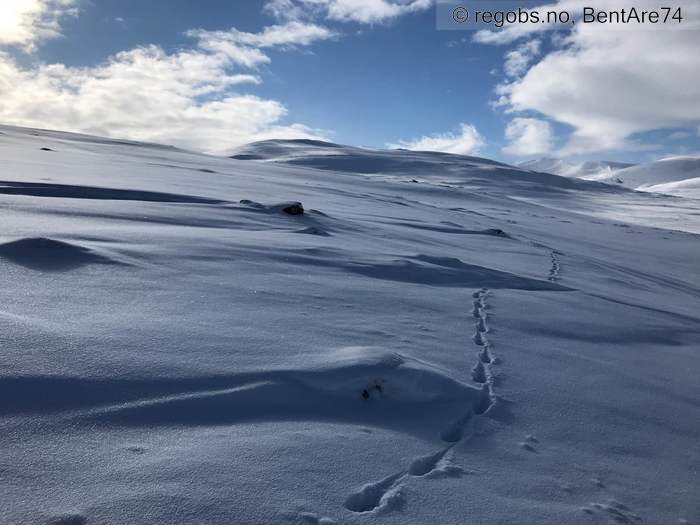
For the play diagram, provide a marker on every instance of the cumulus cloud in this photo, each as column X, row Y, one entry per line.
column 466, row 141
column 610, row 82
column 25, row 23
column 360, row 11
column 188, row 98
column 528, row 136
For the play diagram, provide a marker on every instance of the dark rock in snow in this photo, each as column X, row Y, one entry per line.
column 46, row 149
column 293, row 208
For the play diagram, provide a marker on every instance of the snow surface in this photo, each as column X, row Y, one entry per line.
column 683, row 188
column 670, row 169
column 437, row 339
column 678, row 175
column 591, row 169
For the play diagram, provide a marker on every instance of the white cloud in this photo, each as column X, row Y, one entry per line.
column 517, row 60
column 293, row 33
column 466, row 141
column 25, row 23
column 610, row 82
column 528, row 136
column 361, row 11
column 185, row 98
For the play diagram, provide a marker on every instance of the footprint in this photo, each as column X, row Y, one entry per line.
column 436, row 465
column 529, row 443
column 426, row 464
column 479, row 372
column 555, row 268
column 486, row 400
column 485, row 356
column 385, row 495
column 314, row 519
column 528, row 446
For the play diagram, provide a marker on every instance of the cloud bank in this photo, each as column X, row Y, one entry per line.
column 193, row 98
column 607, row 82
column 188, row 99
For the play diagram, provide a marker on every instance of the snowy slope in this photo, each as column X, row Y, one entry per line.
column 671, row 175
column 682, row 188
column 592, row 169
column 401, row 165
column 670, row 169
column 437, row 339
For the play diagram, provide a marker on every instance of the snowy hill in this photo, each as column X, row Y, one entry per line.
column 683, row 188
column 671, row 175
column 435, row 339
column 400, row 165
column 663, row 171
column 592, row 170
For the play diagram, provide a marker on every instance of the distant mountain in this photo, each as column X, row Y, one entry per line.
column 590, row 170
column 667, row 170
column 678, row 175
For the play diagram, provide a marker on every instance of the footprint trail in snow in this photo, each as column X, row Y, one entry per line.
column 386, row 495
column 555, row 268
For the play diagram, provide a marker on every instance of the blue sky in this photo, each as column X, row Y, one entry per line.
column 363, row 72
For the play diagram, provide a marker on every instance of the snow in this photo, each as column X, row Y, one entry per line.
column 436, row 339
column 591, row 169
column 670, row 169
column 683, row 188
column 676, row 175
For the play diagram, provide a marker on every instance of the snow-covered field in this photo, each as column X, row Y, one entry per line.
column 437, row 339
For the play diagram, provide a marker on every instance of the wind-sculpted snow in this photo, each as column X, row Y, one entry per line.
column 319, row 333
column 85, row 192
column 439, row 271
column 50, row 255
column 399, row 390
